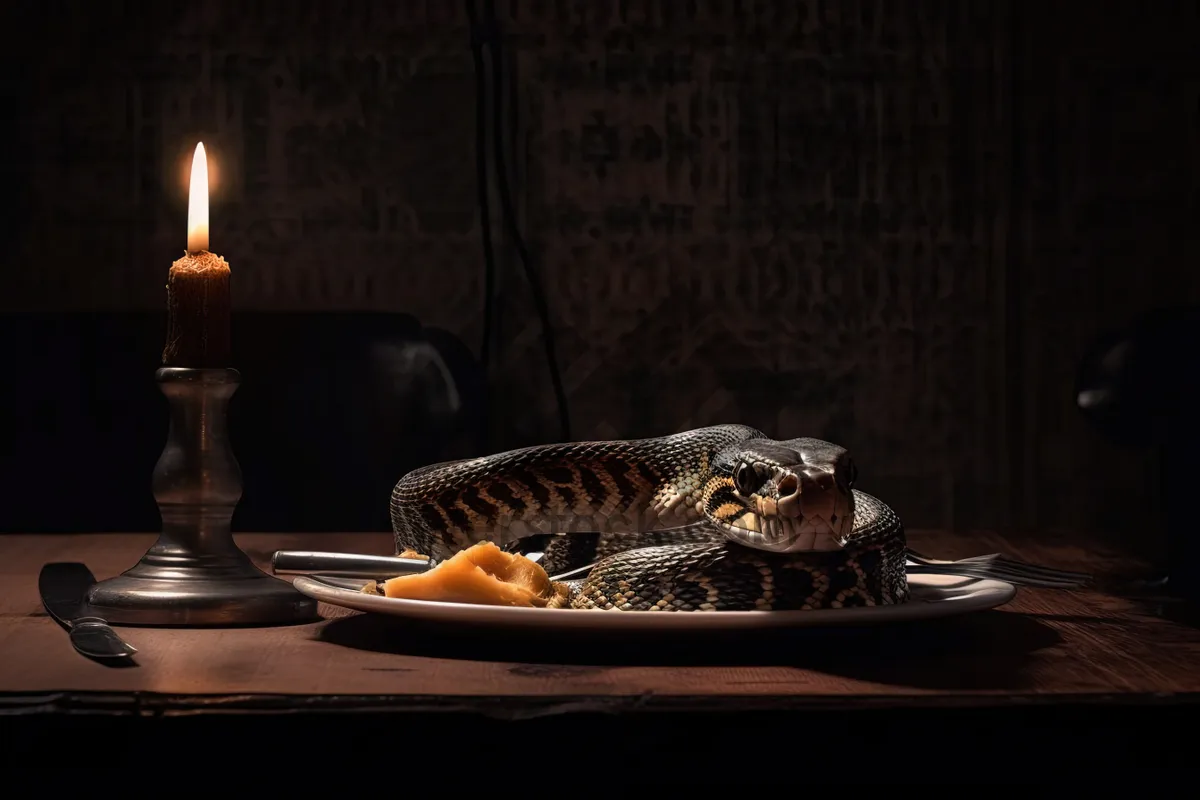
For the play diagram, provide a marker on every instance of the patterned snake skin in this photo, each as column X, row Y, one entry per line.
column 717, row 518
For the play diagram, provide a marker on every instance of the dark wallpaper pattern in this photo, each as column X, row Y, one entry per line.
column 867, row 221
column 755, row 216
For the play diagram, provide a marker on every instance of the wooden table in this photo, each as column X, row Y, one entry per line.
column 1062, row 666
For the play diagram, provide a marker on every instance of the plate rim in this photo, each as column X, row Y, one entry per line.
column 931, row 601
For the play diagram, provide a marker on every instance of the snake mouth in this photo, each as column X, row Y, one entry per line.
column 779, row 534
column 823, row 524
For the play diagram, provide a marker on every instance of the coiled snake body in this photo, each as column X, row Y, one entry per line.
column 717, row 518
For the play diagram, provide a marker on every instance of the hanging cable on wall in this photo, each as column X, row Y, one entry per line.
column 486, row 32
column 478, row 38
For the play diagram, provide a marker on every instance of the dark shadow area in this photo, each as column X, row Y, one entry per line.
column 783, row 745
column 1180, row 612
column 989, row 650
column 331, row 411
column 1139, row 387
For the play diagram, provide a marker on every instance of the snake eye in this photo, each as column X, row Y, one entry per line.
column 747, row 480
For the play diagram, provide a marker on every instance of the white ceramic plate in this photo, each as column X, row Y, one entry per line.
column 932, row 596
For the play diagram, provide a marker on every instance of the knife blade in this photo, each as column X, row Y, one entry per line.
column 64, row 586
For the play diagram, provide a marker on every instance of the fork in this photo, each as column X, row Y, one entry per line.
column 994, row 566
column 987, row 567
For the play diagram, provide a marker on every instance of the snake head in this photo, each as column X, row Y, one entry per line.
column 783, row 496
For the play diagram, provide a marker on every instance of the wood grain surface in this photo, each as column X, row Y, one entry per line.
column 1042, row 645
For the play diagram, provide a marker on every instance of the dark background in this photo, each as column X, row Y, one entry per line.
column 895, row 225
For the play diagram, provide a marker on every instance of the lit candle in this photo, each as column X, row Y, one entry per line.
column 198, row 202
column 198, row 288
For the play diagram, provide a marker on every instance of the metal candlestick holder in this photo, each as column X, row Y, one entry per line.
column 195, row 575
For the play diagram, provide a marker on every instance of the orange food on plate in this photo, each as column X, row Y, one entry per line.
column 481, row 575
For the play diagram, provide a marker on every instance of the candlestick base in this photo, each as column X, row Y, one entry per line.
column 195, row 575
column 167, row 594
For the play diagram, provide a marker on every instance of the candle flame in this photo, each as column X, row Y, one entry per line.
column 197, row 230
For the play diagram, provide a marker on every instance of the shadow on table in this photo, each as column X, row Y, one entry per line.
column 987, row 650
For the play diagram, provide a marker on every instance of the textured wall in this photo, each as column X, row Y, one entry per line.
column 790, row 216
column 896, row 225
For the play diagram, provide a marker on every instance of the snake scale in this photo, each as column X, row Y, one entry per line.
column 716, row 518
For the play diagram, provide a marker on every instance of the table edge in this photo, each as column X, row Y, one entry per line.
column 530, row 706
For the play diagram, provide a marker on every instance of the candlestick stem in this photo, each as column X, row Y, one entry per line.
column 195, row 574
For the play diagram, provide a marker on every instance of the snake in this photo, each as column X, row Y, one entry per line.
column 717, row 518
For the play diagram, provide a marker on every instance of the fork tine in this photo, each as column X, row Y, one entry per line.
column 1015, row 576
column 989, row 574
column 1018, row 574
column 1001, row 561
column 998, row 561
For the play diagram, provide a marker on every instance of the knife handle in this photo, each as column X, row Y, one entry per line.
column 350, row 565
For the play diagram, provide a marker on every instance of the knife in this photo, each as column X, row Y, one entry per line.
column 363, row 565
column 343, row 567
column 64, row 586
